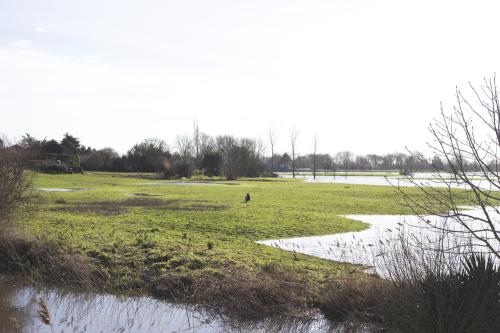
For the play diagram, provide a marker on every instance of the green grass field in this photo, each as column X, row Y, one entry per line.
column 133, row 227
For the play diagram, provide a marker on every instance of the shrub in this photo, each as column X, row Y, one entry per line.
column 425, row 289
column 14, row 180
column 462, row 300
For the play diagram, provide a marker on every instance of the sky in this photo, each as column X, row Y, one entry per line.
column 363, row 75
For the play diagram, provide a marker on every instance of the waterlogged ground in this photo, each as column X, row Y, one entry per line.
column 392, row 179
column 90, row 312
column 371, row 246
column 137, row 227
column 133, row 225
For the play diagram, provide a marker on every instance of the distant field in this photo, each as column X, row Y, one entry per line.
column 134, row 227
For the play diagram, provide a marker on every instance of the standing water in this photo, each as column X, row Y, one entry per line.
column 89, row 312
column 384, row 234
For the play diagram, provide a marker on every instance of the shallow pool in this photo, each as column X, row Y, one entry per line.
column 90, row 312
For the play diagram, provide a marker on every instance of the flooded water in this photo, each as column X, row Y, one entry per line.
column 87, row 312
column 62, row 189
column 419, row 179
column 167, row 183
column 367, row 247
column 139, row 194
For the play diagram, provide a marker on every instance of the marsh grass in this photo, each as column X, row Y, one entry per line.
column 235, row 293
column 118, row 207
column 426, row 289
column 39, row 260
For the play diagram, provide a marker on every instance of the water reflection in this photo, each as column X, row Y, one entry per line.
column 420, row 179
column 169, row 183
column 369, row 246
column 62, row 189
column 89, row 312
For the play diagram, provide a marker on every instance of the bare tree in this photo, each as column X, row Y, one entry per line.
column 467, row 136
column 207, row 144
column 196, row 139
column 294, row 134
column 315, row 146
column 344, row 158
column 260, row 148
column 273, row 137
column 184, row 146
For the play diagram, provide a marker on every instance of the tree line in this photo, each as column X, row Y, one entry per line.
column 225, row 155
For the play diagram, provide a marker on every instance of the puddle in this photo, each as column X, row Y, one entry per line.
column 367, row 247
column 62, row 189
column 166, row 183
column 87, row 312
column 144, row 195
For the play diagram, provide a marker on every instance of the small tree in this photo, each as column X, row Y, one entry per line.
column 196, row 140
column 344, row 159
column 101, row 159
column 294, row 134
column 315, row 147
column 70, row 144
column 465, row 139
column 148, row 155
column 273, row 137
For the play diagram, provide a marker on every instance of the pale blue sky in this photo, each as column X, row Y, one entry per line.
column 366, row 76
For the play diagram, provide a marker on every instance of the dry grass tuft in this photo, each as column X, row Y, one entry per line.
column 241, row 294
column 354, row 298
column 47, row 261
column 43, row 311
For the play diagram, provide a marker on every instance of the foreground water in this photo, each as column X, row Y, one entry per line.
column 90, row 312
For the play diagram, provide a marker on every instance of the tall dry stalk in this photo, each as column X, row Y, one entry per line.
column 44, row 313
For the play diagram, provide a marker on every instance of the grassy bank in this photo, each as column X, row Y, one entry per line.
column 197, row 242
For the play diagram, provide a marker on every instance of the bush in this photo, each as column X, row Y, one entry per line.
column 453, row 296
column 14, row 180
column 45, row 260
column 466, row 300
column 354, row 298
column 183, row 169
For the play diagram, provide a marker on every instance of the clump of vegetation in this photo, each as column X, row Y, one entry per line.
column 238, row 293
column 40, row 260
column 447, row 298
column 14, row 180
column 465, row 299
column 354, row 298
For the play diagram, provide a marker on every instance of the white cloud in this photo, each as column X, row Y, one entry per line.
column 41, row 30
column 22, row 43
column 365, row 76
